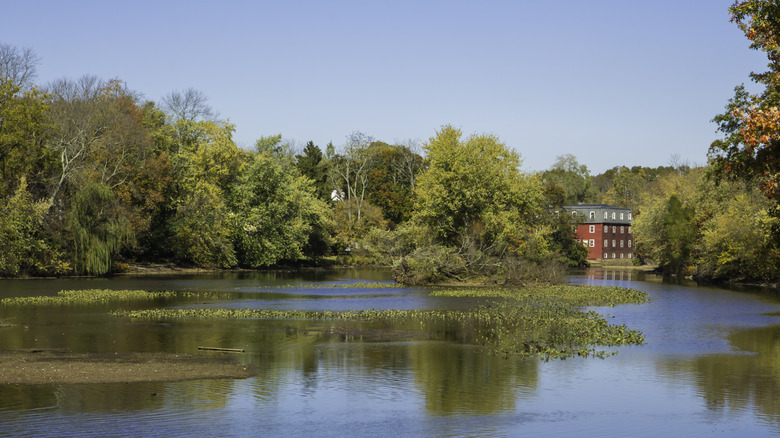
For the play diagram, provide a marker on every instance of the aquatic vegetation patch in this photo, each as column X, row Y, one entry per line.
column 103, row 296
column 358, row 285
column 546, row 330
column 578, row 296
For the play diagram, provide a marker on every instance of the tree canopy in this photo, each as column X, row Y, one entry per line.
column 751, row 123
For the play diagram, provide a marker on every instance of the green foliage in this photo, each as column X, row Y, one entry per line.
column 539, row 322
column 474, row 187
column 277, row 216
column 677, row 237
column 729, row 235
column 394, row 170
column 104, row 296
column 571, row 176
column 22, row 141
column 349, row 176
column 24, row 245
column 627, row 184
column 750, row 149
column 201, row 227
column 651, row 235
column 737, row 238
column 312, row 165
column 207, row 168
column 98, row 230
column 563, row 242
column 482, row 213
column 579, row 296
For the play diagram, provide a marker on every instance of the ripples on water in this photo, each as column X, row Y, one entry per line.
column 710, row 368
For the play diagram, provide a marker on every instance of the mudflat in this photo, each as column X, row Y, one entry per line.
column 45, row 367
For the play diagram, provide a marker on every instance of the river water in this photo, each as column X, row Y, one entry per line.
column 711, row 367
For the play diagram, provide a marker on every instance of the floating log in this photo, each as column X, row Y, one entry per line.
column 231, row 350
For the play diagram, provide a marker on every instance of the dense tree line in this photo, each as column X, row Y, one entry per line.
column 687, row 221
column 92, row 177
column 720, row 221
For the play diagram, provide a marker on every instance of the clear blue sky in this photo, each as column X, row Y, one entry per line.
column 612, row 82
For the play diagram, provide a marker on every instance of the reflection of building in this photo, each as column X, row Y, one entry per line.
column 605, row 230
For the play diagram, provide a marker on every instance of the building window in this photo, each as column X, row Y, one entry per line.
column 606, row 215
column 630, row 255
column 593, row 215
column 606, row 243
column 629, row 215
column 622, row 230
column 614, row 244
column 614, row 229
column 606, row 229
column 606, row 256
column 592, row 229
column 621, row 255
column 621, row 243
column 629, row 244
column 621, row 215
column 585, row 243
column 629, row 230
column 613, row 255
column 613, row 215
column 592, row 243
column 574, row 214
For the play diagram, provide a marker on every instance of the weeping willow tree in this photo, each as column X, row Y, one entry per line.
column 97, row 229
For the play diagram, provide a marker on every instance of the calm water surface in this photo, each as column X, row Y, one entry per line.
column 711, row 367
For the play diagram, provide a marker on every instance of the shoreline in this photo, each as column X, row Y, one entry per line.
column 57, row 366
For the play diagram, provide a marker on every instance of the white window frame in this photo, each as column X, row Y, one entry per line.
column 592, row 243
column 592, row 229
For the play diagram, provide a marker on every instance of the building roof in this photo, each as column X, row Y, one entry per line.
column 600, row 213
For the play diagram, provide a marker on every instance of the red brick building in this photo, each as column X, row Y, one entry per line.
column 603, row 229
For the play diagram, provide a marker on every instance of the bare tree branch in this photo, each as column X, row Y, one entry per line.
column 190, row 104
column 17, row 66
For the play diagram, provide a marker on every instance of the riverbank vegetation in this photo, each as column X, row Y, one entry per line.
column 539, row 322
column 104, row 296
column 94, row 179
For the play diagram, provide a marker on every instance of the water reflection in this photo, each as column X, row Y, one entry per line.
column 730, row 383
column 464, row 381
column 614, row 274
column 711, row 366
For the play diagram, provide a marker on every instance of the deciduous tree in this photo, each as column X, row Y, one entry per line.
column 751, row 124
column 277, row 216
